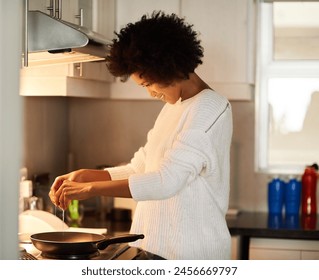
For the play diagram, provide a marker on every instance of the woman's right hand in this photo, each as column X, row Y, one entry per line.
column 72, row 176
column 79, row 176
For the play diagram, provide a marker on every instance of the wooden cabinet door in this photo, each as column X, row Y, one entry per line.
column 310, row 255
column 273, row 254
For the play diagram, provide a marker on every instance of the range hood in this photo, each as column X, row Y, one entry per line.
column 54, row 41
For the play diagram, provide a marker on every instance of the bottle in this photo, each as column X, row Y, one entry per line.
column 309, row 190
column 309, row 221
column 292, row 196
column 25, row 194
column 74, row 213
column 276, row 189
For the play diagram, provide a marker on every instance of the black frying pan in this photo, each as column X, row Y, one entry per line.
column 67, row 244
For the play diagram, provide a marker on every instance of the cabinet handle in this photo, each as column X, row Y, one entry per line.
column 80, row 16
column 79, row 67
column 58, row 11
column 51, row 8
column 55, row 9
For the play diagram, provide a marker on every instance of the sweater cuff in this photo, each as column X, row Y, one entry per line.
column 120, row 172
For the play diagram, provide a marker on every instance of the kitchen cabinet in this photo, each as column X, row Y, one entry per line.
column 263, row 237
column 90, row 79
column 98, row 16
column 132, row 10
column 227, row 31
column 283, row 249
column 69, row 9
column 54, row 80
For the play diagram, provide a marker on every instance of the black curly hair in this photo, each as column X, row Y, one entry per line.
column 162, row 48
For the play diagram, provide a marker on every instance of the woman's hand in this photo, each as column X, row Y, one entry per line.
column 68, row 191
column 60, row 188
column 56, row 186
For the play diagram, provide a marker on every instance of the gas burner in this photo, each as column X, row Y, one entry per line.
column 24, row 255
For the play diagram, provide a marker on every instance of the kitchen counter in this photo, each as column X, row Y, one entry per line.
column 246, row 225
column 255, row 224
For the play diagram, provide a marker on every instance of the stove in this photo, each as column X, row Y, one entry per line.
column 121, row 251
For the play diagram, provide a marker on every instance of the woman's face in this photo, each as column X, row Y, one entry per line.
column 167, row 93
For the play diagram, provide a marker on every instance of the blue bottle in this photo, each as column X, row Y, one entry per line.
column 276, row 191
column 292, row 197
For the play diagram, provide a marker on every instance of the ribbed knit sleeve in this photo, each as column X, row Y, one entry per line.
column 181, row 164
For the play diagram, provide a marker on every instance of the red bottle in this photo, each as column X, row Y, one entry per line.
column 309, row 190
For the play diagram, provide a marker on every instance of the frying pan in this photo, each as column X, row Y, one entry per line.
column 77, row 245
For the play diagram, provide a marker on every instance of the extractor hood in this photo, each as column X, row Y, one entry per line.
column 54, row 41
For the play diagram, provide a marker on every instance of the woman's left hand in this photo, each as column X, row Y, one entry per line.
column 70, row 190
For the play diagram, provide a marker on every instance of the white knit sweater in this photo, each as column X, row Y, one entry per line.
column 180, row 179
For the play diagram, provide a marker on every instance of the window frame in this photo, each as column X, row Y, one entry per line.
column 266, row 69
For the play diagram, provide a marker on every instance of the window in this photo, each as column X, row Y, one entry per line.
column 287, row 88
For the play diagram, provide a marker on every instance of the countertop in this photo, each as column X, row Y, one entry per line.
column 257, row 224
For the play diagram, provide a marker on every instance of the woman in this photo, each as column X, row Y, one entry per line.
column 180, row 178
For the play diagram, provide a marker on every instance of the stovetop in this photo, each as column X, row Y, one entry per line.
column 120, row 251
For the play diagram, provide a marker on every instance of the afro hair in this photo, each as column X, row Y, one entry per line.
column 161, row 48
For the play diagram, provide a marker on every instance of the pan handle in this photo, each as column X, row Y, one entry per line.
column 101, row 245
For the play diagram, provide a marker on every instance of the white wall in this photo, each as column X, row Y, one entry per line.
column 10, row 125
column 46, row 139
